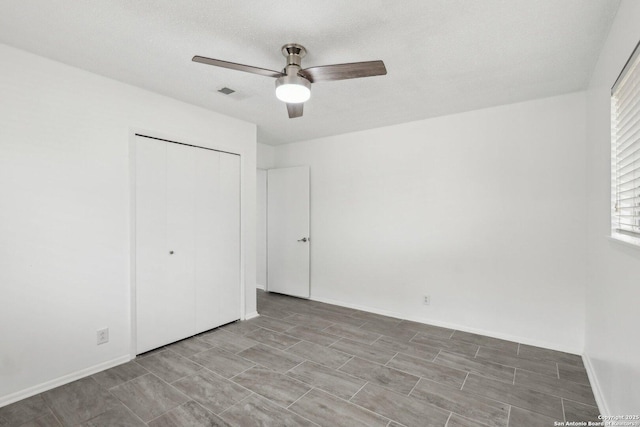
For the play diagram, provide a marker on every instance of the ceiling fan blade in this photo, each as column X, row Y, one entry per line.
column 295, row 110
column 352, row 70
column 238, row 67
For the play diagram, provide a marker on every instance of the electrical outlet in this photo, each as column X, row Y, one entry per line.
column 103, row 336
column 426, row 300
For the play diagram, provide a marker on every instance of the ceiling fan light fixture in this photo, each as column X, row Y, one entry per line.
column 293, row 89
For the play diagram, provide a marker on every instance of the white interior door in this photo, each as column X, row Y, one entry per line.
column 288, row 237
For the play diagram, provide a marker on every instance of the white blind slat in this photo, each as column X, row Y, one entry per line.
column 623, row 200
column 628, row 112
column 628, row 172
column 628, row 136
column 629, row 162
column 631, row 192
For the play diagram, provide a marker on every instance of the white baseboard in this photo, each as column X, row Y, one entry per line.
column 595, row 386
column 65, row 379
column 259, row 286
column 523, row 340
column 250, row 316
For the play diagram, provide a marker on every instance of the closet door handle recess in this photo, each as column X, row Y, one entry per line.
column 170, row 252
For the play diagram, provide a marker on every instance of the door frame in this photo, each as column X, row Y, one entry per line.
column 210, row 145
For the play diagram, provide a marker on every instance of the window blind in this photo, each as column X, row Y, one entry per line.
column 625, row 149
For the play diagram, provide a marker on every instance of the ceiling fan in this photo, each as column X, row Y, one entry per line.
column 293, row 84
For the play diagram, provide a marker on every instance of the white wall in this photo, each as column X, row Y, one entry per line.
column 265, row 157
column 65, row 213
column 484, row 211
column 612, row 344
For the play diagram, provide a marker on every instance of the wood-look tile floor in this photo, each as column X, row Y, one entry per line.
column 304, row 363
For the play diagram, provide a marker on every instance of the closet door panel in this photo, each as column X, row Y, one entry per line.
column 180, row 211
column 152, row 290
column 207, row 253
column 229, row 238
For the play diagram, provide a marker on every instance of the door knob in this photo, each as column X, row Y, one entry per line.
column 304, row 239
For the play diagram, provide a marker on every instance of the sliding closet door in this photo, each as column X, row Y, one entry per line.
column 164, row 299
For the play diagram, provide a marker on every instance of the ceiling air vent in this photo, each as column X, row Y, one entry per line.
column 226, row 91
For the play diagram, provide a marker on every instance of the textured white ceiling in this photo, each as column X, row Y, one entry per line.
column 442, row 56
